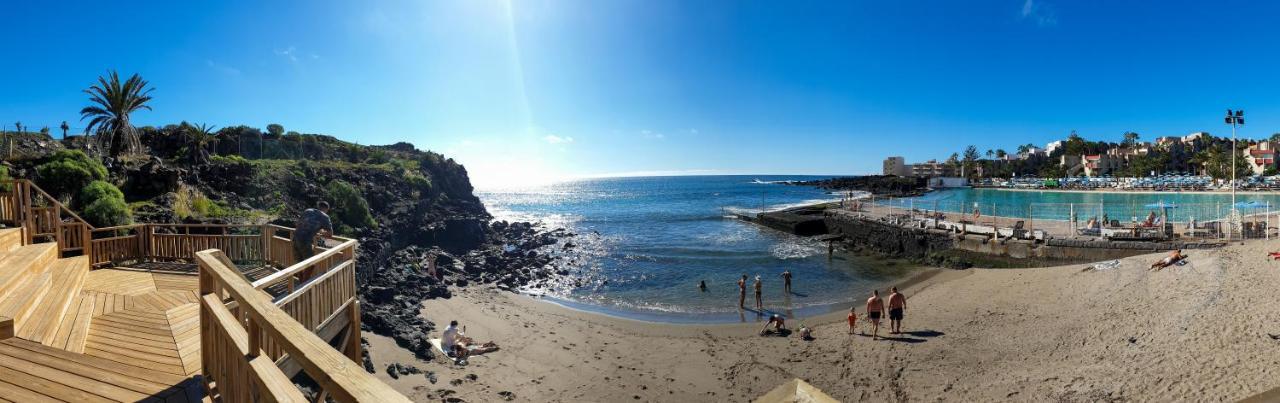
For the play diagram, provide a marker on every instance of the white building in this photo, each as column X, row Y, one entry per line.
column 896, row 166
column 1053, row 146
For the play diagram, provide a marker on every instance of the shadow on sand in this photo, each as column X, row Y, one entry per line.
column 924, row 333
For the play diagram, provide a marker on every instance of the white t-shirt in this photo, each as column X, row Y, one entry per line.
column 450, row 337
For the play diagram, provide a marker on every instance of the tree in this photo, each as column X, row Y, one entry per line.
column 990, row 153
column 1275, row 138
column 201, row 136
column 1130, row 139
column 970, row 156
column 113, row 103
column 64, row 128
column 68, row 171
column 1000, row 153
column 1075, row 145
column 275, row 129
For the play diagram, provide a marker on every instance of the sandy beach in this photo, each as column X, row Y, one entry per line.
column 1204, row 331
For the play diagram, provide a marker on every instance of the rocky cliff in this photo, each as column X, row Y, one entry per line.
column 421, row 204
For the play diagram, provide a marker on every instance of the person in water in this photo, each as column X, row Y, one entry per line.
column 759, row 286
column 702, row 286
column 875, row 308
column 897, row 304
column 786, row 281
column 742, row 292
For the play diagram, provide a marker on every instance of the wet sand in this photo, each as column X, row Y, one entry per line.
column 1205, row 331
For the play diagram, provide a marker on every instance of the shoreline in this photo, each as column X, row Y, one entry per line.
column 921, row 277
column 1046, row 334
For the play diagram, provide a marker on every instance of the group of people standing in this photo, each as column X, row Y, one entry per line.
column 759, row 287
column 897, row 306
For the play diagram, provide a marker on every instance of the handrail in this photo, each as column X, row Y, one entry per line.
column 297, row 268
column 341, row 377
column 52, row 199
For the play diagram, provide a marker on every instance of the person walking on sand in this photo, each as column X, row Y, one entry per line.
column 853, row 319
column 786, row 281
column 759, row 286
column 742, row 292
column 875, row 308
column 897, row 304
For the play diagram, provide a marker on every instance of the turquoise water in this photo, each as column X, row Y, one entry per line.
column 645, row 243
column 1057, row 205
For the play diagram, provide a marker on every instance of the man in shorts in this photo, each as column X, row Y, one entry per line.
column 897, row 304
column 875, row 308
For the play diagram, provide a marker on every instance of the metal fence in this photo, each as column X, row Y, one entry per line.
column 1114, row 221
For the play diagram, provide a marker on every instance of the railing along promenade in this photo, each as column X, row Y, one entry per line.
column 1118, row 220
column 255, row 335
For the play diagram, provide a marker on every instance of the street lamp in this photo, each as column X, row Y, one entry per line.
column 1235, row 119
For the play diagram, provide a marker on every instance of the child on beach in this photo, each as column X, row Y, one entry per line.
column 853, row 319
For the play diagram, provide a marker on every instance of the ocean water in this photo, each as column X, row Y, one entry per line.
column 645, row 243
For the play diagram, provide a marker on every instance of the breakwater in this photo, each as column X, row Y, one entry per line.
column 871, row 235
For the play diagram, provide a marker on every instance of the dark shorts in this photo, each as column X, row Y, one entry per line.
column 895, row 314
column 875, row 315
column 303, row 249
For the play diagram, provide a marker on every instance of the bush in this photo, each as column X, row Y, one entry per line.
column 68, row 171
column 349, row 206
column 102, row 205
column 4, row 177
column 94, row 191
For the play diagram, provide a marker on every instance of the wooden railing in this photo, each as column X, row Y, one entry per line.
column 42, row 217
column 243, row 331
column 251, row 343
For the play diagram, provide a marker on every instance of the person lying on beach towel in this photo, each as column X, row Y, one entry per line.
column 458, row 346
column 1173, row 258
column 1274, row 255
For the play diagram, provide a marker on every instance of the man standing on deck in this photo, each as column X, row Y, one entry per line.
column 875, row 308
column 897, row 304
column 786, row 281
column 314, row 221
column 742, row 292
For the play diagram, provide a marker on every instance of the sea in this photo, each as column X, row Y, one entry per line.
column 643, row 244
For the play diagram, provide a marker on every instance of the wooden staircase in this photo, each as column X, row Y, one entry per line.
column 37, row 290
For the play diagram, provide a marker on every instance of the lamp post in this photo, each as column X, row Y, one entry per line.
column 1235, row 119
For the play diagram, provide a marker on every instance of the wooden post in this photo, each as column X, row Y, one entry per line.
column 266, row 241
column 353, row 339
column 255, row 337
column 86, row 237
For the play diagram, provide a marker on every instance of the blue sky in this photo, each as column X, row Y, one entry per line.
column 528, row 91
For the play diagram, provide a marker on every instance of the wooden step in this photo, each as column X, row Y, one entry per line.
column 27, row 367
column 17, row 265
column 10, row 239
column 25, row 297
column 74, row 329
column 67, row 280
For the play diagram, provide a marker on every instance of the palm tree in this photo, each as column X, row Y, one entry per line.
column 113, row 103
column 201, row 137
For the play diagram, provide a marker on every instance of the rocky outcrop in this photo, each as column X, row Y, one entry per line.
column 875, row 184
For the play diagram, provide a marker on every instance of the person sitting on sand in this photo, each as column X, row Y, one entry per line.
column 875, row 308
column 778, row 323
column 853, row 319
column 805, row 333
column 1173, row 258
column 1150, row 221
column 459, row 346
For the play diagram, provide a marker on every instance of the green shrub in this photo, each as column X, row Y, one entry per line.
column 94, row 191
column 68, row 171
column 4, row 177
column 108, row 212
column 349, row 206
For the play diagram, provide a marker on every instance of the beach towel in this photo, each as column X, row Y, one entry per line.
column 437, row 343
column 1108, row 265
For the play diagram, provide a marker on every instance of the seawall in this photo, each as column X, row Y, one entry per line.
column 872, row 236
